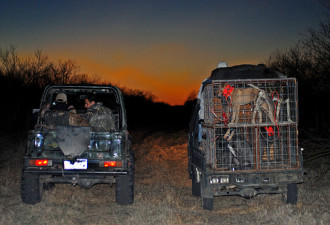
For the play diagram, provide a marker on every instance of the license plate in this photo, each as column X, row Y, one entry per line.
column 80, row 164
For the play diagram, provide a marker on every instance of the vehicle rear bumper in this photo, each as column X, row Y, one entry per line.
column 63, row 172
column 56, row 168
column 250, row 184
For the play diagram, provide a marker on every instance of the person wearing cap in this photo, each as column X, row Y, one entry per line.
column 61, row 103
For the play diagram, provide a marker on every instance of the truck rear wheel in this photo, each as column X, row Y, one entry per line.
column 31, row 189
column 292, row 194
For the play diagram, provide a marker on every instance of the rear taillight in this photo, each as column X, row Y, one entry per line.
column 40, row 162
column 112, row 164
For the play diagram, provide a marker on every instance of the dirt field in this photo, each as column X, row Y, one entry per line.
column 162, row 193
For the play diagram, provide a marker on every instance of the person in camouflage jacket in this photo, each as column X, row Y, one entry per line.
column 100, row 117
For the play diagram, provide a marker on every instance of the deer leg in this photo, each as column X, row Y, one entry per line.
column 268, row 107
column 234, row 115
column 226, row 134
column 258, row 104
column 237, row 113
column 288, row 110
column 278, row 110
column 254, row 114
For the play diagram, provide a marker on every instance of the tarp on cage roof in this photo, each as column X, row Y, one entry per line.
column 245, row 72
column 239, row 72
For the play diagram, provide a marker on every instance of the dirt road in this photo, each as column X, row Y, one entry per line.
column 162, row 193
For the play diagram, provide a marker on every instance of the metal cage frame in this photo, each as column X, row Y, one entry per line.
column 251, row 125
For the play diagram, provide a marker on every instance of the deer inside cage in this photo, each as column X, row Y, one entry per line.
column 251, row 124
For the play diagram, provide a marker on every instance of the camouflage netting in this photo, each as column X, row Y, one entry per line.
column 63, row 118
column 101, row 118
column 98, row 117
column 101, row 122
column 77, row 120
column 57, row 118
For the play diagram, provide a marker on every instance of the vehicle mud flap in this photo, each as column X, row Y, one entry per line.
column 73, row 141
column 292, row 194
column 125, row 185
column 31, row 189
column 207, row 203
column 206, row 194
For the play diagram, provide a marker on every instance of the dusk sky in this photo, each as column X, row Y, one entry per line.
column 164, row 47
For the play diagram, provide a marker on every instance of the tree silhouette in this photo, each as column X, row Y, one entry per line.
column 39, row 71
column 9, row 60
column 309, row 61
column 22, row 80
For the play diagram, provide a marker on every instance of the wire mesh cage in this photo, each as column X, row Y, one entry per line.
column 251, row 124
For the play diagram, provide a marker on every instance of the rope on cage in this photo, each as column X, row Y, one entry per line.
column 212, row 111
column 225, row 120
column 226, row 92
column 224, row 115
column 275, row 109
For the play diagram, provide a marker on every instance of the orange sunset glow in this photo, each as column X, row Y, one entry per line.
column 170, row 88
column 169, row 71
column 166, row 48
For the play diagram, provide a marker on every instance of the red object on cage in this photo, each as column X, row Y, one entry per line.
column 225, row 118
column 270, row 131
column 228, row 90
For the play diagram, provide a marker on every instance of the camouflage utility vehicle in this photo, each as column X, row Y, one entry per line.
column 72, row 144
column 243, row 136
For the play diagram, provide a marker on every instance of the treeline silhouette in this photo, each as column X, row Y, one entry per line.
column 144, row 112
column 23, row 79
column 309, row 61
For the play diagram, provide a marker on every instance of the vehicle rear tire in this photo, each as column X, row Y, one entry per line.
column 292, row 194
column 125, row 186
column 31, row 189
column 207, row 203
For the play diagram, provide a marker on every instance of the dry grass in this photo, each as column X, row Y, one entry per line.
column 162, row 193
